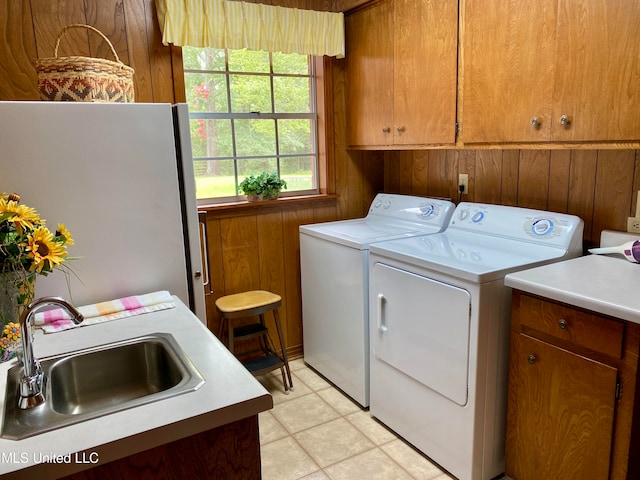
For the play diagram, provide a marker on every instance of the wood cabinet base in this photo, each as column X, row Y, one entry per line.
column 572, row 401
column 229, row 451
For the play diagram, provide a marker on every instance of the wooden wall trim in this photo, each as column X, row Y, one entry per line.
column 502, row 146
column 234, row 209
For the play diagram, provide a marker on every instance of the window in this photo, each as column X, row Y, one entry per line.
column 250, row 112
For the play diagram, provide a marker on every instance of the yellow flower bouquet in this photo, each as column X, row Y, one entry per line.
column 27, row 248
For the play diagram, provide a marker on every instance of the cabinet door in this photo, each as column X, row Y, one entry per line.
column 507, row 69
column 598, row 57
column 560, row 413
column 425, row 69
column 369, row 57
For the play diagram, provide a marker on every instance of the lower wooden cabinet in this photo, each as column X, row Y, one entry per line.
column 572, row 392
column 230, row 451
column 563, row 408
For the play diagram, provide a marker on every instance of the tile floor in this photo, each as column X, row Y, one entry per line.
column 317, row 433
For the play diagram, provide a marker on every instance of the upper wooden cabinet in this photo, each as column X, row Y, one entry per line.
column 369, row 54
column 549, row 71
column 401, row 73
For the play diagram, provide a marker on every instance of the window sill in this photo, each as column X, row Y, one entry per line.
column 268, row 206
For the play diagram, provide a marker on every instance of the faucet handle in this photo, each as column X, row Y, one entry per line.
column 32, row 386
column 32, row 389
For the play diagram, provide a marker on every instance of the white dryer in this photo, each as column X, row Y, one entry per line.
column 334, row 264
column 439, row 329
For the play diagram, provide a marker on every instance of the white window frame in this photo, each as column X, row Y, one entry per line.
column 312, row 116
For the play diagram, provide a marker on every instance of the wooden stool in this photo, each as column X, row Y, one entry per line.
column 252, row 304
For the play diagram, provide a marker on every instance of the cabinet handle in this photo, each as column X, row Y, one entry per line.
column 381, row 326
column 563, row 323
column 535, row 122
column 400, row 129
column 564, row 120
column 386, row 130
column 531, row 359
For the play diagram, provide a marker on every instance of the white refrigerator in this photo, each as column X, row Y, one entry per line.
column 120, row 178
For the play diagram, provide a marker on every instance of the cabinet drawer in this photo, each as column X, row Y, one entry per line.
column 582, row 329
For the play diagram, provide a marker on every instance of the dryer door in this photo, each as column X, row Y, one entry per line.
column 422, row 329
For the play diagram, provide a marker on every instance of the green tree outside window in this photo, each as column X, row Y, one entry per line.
column 251, row 112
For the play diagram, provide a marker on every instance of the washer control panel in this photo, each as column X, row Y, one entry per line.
column 417, row 210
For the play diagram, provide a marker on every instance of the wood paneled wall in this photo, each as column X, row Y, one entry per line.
column 597, row 185
column 29, row 28
column 258, row 247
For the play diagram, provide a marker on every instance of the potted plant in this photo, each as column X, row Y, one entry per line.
column 266, row 186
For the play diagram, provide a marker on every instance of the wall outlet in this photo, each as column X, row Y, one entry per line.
column 463, row 181
column 633, row 224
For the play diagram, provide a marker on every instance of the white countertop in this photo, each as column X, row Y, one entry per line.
column 230, row 393
column 605, row 284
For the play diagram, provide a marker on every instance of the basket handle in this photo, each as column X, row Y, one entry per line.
column 82, row 25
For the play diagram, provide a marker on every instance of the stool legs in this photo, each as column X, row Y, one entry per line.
column 269, row 347
column 266, row 344
column 231, row 336
column 284, row 351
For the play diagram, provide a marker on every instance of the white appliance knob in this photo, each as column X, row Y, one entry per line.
column 386, row 204
column 542, row 226
column 427, row 210
column 463, row 214
column 477, row 217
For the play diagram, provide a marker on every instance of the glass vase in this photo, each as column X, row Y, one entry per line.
column 16, row 292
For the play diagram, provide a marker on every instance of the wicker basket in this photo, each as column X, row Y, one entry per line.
column 84, row 79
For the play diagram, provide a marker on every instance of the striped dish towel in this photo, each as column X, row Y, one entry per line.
column 57, row 319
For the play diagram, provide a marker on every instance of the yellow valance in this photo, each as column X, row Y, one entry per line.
column 237, row 25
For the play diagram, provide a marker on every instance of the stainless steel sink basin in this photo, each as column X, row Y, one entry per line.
column 101, row 380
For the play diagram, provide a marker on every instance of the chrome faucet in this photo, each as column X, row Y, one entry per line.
column 33, row 382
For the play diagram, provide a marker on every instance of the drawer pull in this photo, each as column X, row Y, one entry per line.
column 563, row 323
column 531, row 359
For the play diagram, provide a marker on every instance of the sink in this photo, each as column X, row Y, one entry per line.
column 97, row 381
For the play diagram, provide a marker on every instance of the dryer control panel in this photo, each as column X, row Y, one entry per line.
column 556, row 229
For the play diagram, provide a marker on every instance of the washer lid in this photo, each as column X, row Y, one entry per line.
column 390, row 216
column 469, row 256
column 361, row 232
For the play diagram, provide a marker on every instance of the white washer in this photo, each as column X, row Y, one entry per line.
column 334, row 264
column 439, row 329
